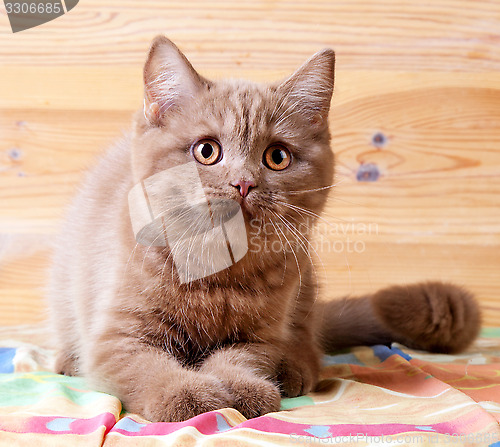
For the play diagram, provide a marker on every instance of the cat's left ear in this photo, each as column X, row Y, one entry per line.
column 169, row 80
column 310, row 88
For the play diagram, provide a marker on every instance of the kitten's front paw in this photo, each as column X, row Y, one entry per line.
column 189, row 398
column 66, row 363
column 433, row 316
column 298, row 376
column 253, row 396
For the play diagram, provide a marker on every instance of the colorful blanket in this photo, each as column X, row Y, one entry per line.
column 367, row 396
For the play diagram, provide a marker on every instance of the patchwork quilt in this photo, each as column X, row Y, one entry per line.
column 367, row 396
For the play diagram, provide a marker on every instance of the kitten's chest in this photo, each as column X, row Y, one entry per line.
column 202, row 321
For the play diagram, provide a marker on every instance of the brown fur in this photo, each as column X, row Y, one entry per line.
column 433, row 316
column 247, row 334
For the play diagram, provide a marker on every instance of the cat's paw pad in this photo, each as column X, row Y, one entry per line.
column 188, row 399
column 253, row 396
column 433, row 316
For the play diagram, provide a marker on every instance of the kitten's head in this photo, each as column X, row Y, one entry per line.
column 265, row 146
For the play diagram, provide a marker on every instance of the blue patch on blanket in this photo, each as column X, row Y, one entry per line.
column 6, row 357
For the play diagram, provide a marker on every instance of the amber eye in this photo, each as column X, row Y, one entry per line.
column 207, row 151
column 277, row 157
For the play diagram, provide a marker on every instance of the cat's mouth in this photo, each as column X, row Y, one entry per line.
column 228, row 206
column 223, row 210
column 250, row 208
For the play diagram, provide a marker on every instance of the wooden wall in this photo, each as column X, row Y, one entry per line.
column 417, row 102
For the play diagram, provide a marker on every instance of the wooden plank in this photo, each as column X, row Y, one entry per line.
column 47, row 143
column 43, row 161
column 23, row 264
column 120, row 88
column 441, row 35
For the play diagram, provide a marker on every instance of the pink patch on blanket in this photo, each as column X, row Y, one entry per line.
column 62, row 425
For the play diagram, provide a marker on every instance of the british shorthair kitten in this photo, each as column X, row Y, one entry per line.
column 172, row 346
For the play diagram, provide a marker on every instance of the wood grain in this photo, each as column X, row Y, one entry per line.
column 23, row 265
column 423, row 78
column 441, row 35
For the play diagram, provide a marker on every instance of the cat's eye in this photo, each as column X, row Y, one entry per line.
column 277, row 157
column 207, row 151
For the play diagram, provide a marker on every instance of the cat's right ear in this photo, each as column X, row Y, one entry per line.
column 169, row 80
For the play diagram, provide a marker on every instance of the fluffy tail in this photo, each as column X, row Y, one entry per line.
column 432, row 316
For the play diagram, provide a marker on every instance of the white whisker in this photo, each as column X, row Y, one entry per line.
column 300, row 191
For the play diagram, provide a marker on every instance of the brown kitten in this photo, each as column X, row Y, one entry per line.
column 248, row 333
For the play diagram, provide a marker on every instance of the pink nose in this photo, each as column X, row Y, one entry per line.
column 244, row 186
